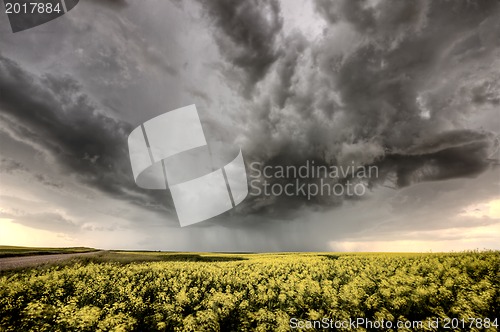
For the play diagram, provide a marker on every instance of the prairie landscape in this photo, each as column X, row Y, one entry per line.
column 264, row 165
column 174, row 291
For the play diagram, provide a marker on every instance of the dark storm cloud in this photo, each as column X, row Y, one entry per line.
column 443, row 158
column 487, row 92
column 115, row 4
column 380, row 82
column 397, row 95
column 389, row 17
column 53, row 113
column 246, row 33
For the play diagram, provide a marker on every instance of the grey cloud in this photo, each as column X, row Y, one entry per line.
column 386, row 19
column 200, row 94
column 10, row 166
column 286, row 68
column 55, row 113
column 465, row 160
column 334, row 101
column 44, row 179
column 48, row 221
column 487, row 92
column 114, row 4
column 246, row 33
column 449, row 140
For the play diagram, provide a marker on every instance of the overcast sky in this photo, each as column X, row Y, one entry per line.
column 411, row 87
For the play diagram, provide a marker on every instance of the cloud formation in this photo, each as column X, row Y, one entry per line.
column 411, row 87
column 246, row 33
column 389, row 83
column 52, row 114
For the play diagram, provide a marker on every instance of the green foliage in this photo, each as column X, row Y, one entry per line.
column 248, row 292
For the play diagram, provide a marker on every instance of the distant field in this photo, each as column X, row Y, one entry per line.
column 174, row 291
column 14, row 251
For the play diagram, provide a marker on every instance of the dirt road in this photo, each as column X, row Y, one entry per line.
column 28, row 261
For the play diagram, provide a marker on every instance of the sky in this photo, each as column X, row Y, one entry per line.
column 411, row 88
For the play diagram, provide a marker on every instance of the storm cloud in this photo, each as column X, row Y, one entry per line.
column 390, row 83
column 53, row 114
column 409, row 87
column 247, row 34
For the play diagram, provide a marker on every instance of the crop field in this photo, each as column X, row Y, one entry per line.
column 153, row 291
column 15, row 251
